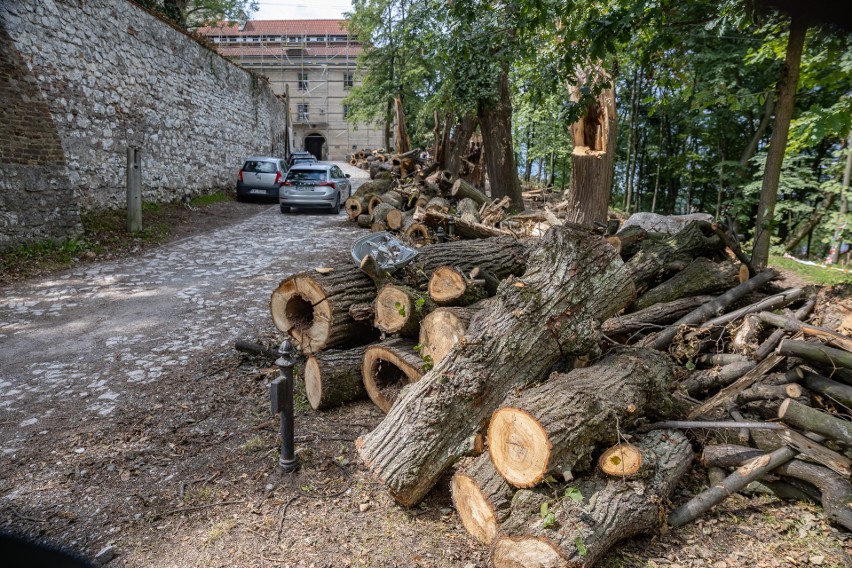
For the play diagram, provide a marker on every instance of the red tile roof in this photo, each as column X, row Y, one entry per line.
column 277, row 27
column 251, row 51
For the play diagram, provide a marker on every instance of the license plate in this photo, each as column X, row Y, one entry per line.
column 259, row 191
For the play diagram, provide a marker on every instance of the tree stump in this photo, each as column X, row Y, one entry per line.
column 555, row 427
column 574, row 279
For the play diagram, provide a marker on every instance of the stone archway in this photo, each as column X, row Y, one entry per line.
column 315, row 144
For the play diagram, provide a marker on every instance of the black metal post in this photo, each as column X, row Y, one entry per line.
column 451, row 227
column 281, row 393
column 439, row 234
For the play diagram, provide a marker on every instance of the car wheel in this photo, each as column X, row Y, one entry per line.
column 284, row 208
column 337, row 205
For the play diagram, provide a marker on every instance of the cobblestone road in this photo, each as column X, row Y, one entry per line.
column 81, row 338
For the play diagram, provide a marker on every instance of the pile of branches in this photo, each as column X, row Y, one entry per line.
column 563, row 377
column 410, row 196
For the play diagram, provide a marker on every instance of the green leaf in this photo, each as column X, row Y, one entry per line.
column 573, row 493
column 543, row 509
column 581, row 546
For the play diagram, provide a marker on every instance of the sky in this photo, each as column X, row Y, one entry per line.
column 301, row 9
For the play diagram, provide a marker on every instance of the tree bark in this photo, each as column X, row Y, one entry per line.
column 609, row 511
column 573, row 281
column 495, row 122
column 699, row 382
column 816, row 352
column 555, row 427
column 333, row 377
column 778, row 143
column 806, row 226
column 461, row 189
column 813, row 420
column 835, row 492
column 458, row 145
column 313, row 308
column 402, row 143
column 702, row 276
column 387, row 367
column 481, row 497
column 839, row 392
column 442, row 329
column 464, row 229
column 593, row 157
column 793, row 324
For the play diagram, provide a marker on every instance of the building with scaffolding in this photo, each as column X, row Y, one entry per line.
column 313, row 64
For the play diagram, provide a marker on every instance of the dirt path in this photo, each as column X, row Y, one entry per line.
column 129, row 423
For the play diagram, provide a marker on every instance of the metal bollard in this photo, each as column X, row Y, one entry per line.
column 451, row 227
column 281, row 395
column 439, row 235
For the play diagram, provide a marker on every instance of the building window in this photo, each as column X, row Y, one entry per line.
column 303, row 81
column 348, row 80
column 302, row 109
column 345, row 111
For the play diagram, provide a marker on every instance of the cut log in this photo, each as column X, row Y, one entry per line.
column 387, row 368
column 356, row 205
column 376, row 186
column 629, row 241
column 481, row 497
column 652, row 263
column 775, row 338
column 313, row 308
column 333, row 377
column 441, row 329
column 702, row 276
column 700, row 382
column 393, row 198
column 760, row 392
column 621, row 460
column 417, row 233
column 838, row 340
column 463, row 229
column 400, row 309
column 448, row 286
column 365, row 221
column 816, row 353
column 653, row 316
column 555, row 427
column 746, row 338
column 742, row 476
column 502, row 257
column 666, row 224
column 835, row 492
column 771, row 303
column 438, row 203
column 838, row 392
column 463, row 190
column 662, row 340
column 596, row 514
column 380, row 213
column 396, row 218
column 468, row 210
column 435, row 420
column 813, row 420
column 720, row 359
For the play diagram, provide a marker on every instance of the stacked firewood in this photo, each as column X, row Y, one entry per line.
column 409, row 196
column 565, row 377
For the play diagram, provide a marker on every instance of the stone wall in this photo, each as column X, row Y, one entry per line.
column 83, row 80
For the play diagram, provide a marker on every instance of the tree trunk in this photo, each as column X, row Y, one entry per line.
column 555, row 427
column 702, row 276
column 463, row 131
column 827, row 356
column 496, row 125
column 751, row 147
column 778, row 144
column 593, row 156
column 333, row 377
column 441, row 330
column 481, row 497
column 837, row 239
column 387, row 367
column 573, row 281
column 806, row 226
column 402, row 143
column 607, row 511
column 313, row 308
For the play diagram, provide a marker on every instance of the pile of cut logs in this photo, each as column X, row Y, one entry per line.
column 565, row 377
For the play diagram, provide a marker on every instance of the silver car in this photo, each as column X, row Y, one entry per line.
column 260, row 176
column 315, row 185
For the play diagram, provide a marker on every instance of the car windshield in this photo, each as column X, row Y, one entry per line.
column 259, row 167
column 306, row 175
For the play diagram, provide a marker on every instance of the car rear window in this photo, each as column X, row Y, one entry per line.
column 259, row 167
column 306, row 175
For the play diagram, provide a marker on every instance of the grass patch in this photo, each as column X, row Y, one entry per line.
column 220, row 529
column 813, row 274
